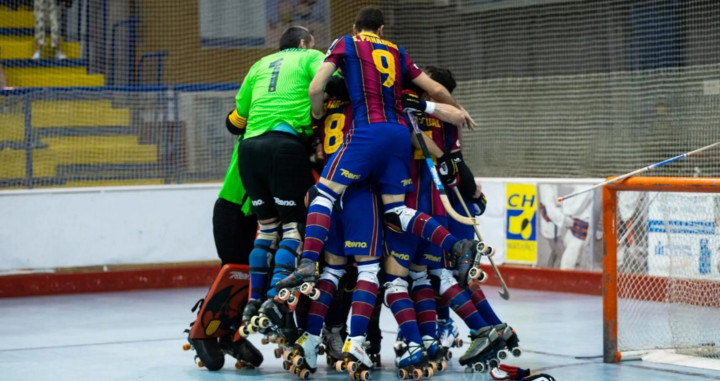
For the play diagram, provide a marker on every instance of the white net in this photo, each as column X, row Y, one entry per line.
column 559, row 88
column 668, row 272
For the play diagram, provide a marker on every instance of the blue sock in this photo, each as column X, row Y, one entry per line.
column 284, row 263
column 259, row 268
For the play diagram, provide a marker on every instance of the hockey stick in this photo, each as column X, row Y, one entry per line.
column 504, row 293
column 638, row 171
column 433, row 171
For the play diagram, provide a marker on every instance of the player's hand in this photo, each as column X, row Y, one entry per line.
column 411, row 100
column 448, row 171
column 469, row 121
column 480, row 204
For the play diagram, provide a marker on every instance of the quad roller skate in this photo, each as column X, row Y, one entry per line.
column 303, row 357
column 468, row 263
column 412, row 362
column 355, row 360
column 510, row 340
column 435, row 354
column 301, row 280
column 481, row 356
column 332, row 344
column 276, row 322
column 448, row 335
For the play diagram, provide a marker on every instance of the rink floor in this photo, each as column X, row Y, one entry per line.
column 138, row 336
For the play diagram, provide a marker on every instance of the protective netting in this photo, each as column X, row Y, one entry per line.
column 668, row 272
column 559, row 88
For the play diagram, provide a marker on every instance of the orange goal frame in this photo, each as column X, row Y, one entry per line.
column 610, row 218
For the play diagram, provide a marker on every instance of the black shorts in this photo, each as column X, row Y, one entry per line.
column 275, row 168
column 234, row 232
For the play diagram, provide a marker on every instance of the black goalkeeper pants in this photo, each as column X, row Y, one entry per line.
column 275, row 169
column 234, row 232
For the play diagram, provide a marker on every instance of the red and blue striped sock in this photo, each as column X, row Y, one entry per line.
column 402, row 308
column 460, row 301
column 483, row 306
column 318, row 222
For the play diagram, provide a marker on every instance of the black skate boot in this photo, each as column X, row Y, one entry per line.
column 467, row 255
column 481, row 356
column 250, row 316
column 333, row 339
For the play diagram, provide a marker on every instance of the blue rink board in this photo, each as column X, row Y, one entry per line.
column 138, row 336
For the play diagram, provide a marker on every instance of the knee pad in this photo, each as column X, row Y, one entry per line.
column 292, row 230
column 398, row 219
column 260, row 258
column 315, row 196
column 368, row 272
column 420, row 278
column 332, row 274
column 397, row 286
column 447, row 280
column 268, row 232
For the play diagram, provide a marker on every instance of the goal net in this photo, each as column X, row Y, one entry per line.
column 661, row 283
column 559, row 88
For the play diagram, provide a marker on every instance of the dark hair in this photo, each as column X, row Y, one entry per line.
column 369, row 18
column 293, row 35
column 337, row 89
column 441, row 76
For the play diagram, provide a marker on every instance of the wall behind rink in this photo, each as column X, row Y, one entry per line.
column 45, row 229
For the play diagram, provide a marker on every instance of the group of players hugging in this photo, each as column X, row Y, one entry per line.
column 372, row 230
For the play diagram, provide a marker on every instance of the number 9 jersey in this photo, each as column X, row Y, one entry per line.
column 374, row 71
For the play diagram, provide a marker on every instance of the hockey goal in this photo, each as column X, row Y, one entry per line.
column 661, row 283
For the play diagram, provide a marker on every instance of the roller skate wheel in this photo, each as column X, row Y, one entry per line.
column 493, row 363
column 264, row 341
column 338, row 366
column 281, row 340
column 186, row 347
column 458, row 343
column 403, row 374
column 314, row 294
column 364, row 375
column 304, row 374
column 448, row 355
column 284, row 294
column 239, row 365
column 503, row 354
column 297, row 360
column 292, row 301
column 245, row 331
column 479, row 367
column 286, row 366
column 352, row 366
column 321, row 350
column 305, row 288
column 278, row 353
column 442, row 366
column 263, row 322
column 517, row 352
column 291, row 369
column 417, row 374
column 429, row 372
column 254, row 321
column 475, row 273
column 433, row 366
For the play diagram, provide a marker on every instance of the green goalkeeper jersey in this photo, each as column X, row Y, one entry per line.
column 232, row 189
column 275, row 92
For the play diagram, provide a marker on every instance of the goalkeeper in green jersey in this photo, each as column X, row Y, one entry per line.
column 273, row 108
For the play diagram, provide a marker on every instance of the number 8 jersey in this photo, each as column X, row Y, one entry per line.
column 374, row 70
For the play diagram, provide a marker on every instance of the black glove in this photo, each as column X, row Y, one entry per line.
column 412, row 101
column 448, row 171
column 479, row 204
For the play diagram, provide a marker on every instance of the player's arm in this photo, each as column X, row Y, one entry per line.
column 439, row 93
column 444, row 112
column 234, row 123
column 317, row 89
column 429, row 143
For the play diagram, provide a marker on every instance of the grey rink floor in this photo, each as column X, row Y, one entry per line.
column 138, row 336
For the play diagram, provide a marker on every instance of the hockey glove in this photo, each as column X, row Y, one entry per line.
column 412, row 101
column 448, row 171
column 479, row 204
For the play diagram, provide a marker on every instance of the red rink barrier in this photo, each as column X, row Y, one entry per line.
column 540, row 279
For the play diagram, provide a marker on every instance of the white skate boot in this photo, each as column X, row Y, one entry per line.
column 304, row 356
